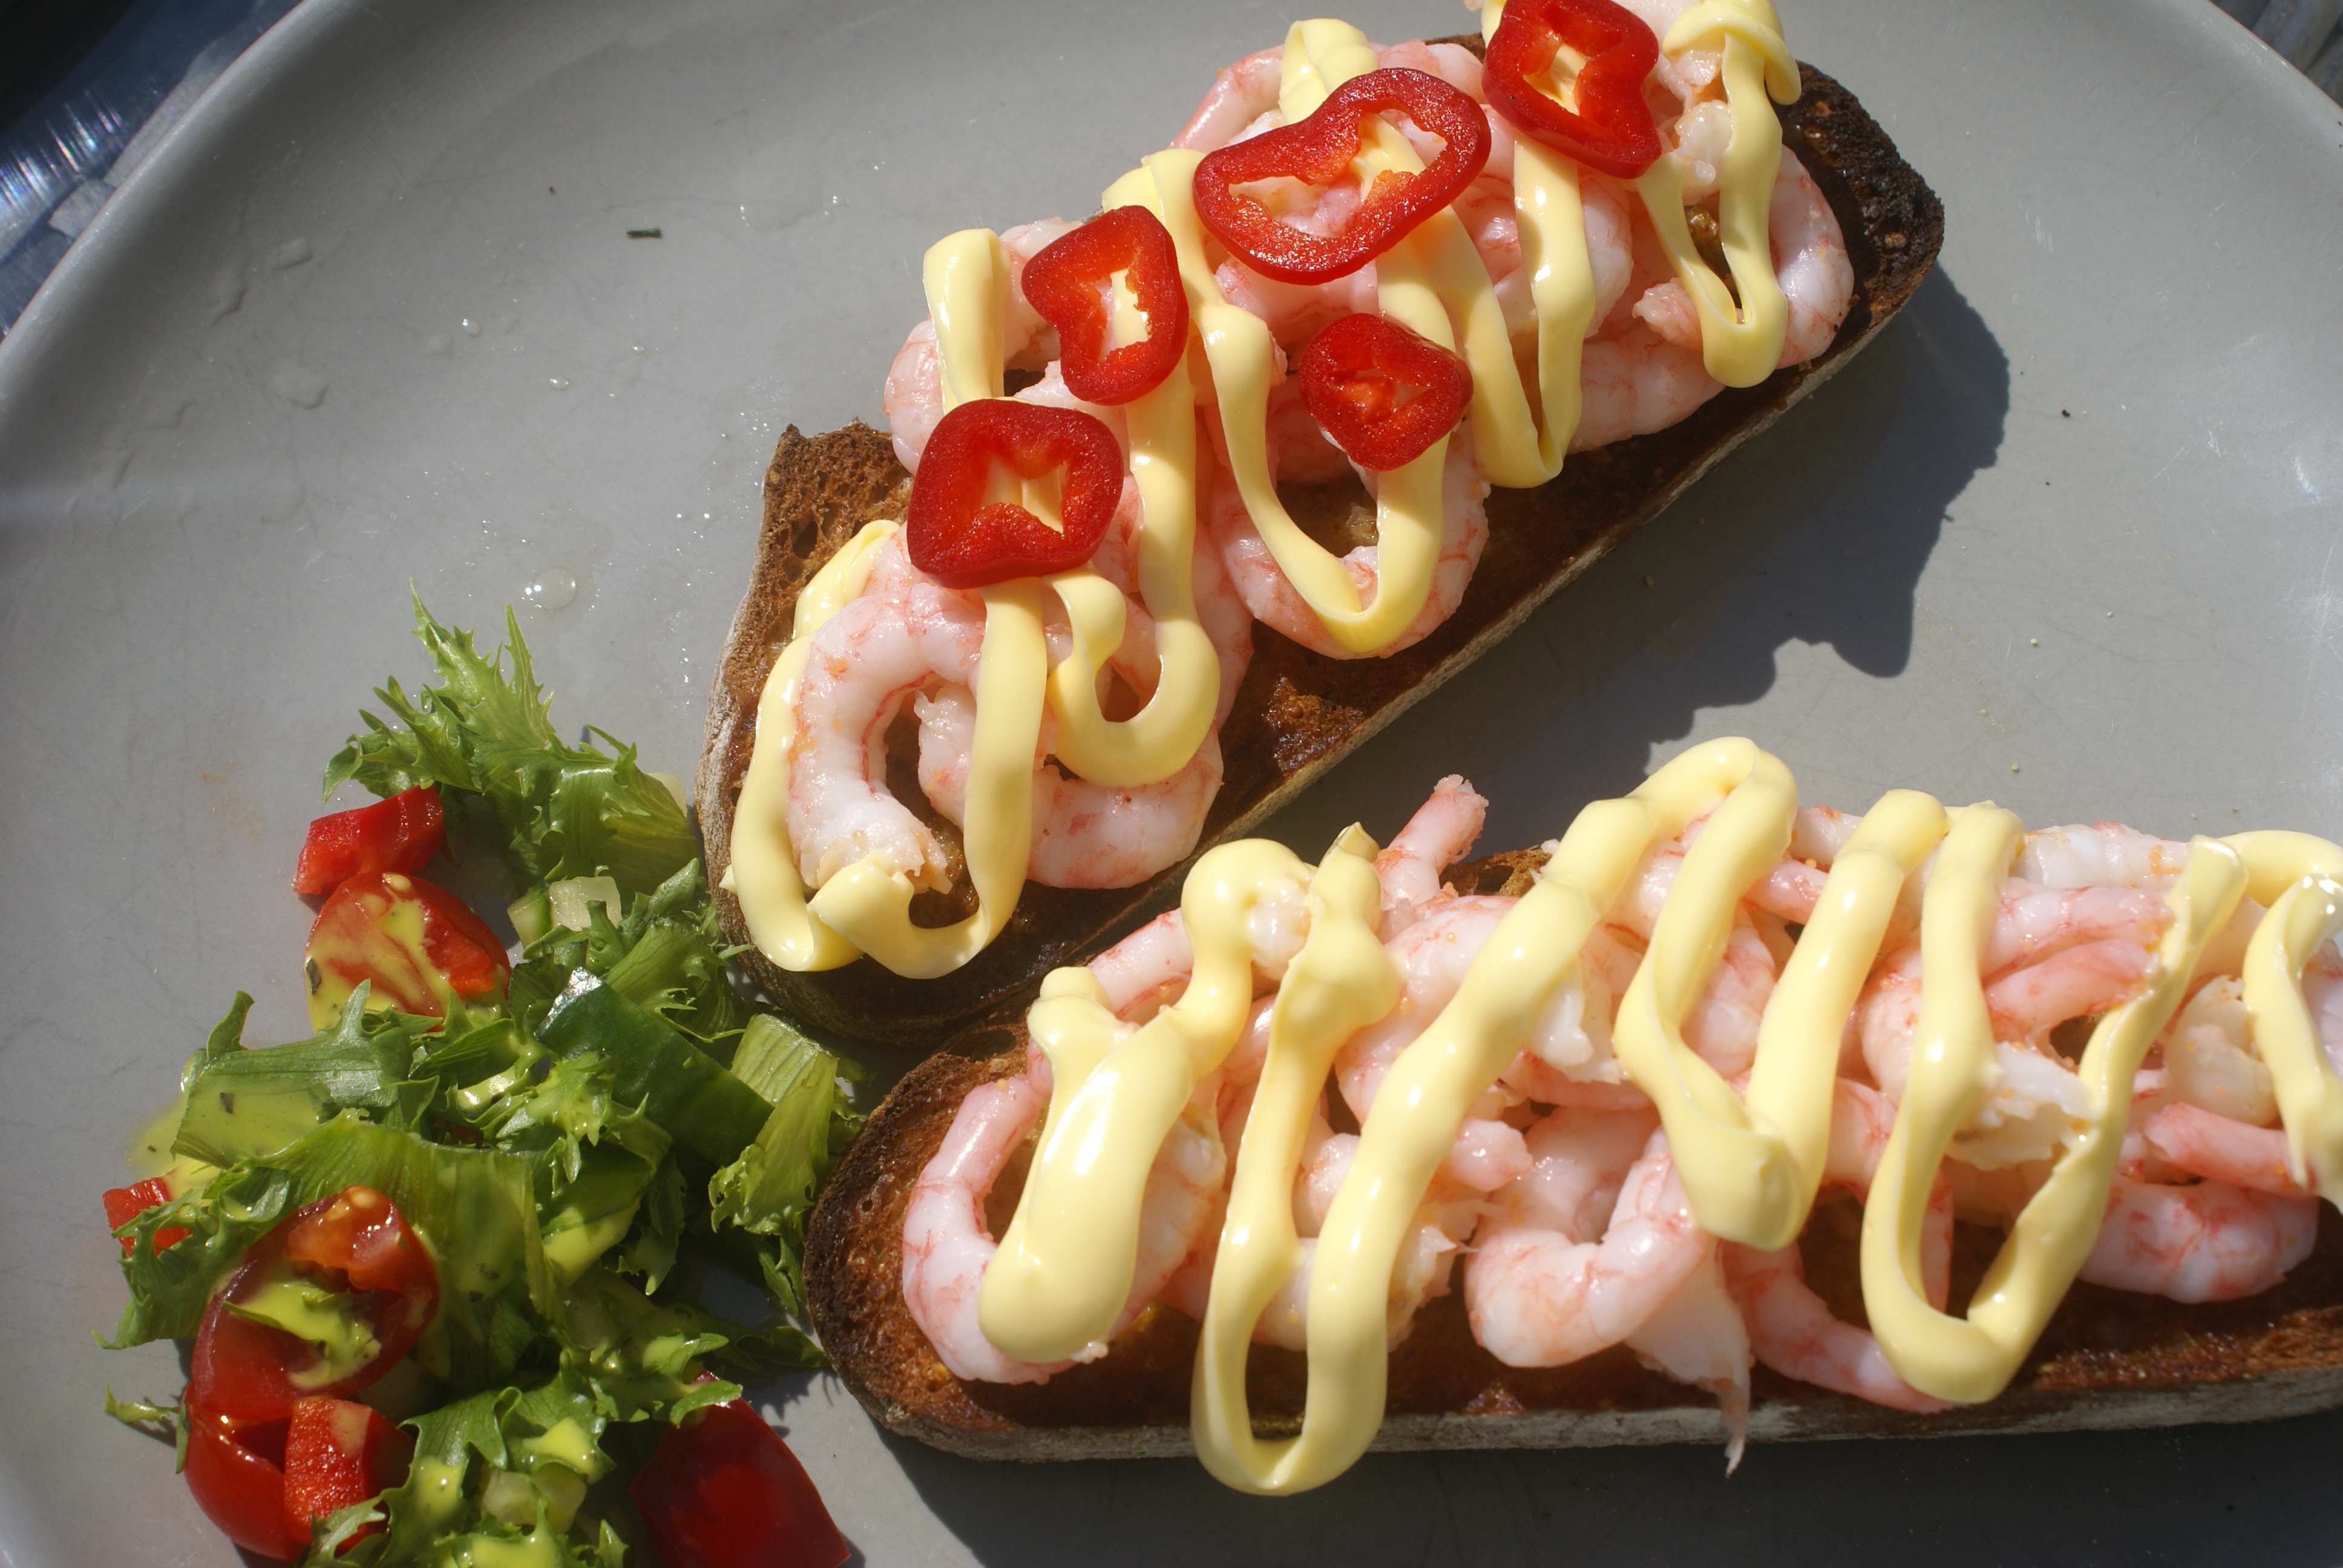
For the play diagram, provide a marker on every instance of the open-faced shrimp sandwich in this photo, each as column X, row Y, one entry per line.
column 1388, row 344
column 1908, row 1123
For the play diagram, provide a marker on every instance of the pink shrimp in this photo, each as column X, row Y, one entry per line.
column 866, row 660
column 1791, row 1328
column 1274, row 600
column 1441, row 833
column 1537, row 1297
column 913, row 399
column 2206, row 1242
column 946, row 1248
column 2205, row 1143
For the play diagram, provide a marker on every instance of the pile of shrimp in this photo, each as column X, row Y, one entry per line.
column 1558, row 1195
column 912, row 641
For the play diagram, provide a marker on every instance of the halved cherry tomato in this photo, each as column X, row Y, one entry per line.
column 1317, row 151
column 722, row 1491
column 1382, row 393
column 964, row 541
column 1067, row 281
column 262, row 1482
column 417, row 943
column 338, row 1452
column 124, row 1204
column 348, row 1264
column 395, row 835
column 1611, row 129
column 236, row 1470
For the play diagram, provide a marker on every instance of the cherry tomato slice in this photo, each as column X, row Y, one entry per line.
column 124, row 1204
column 1381, row 393
column 417, row 942
column 1611, row 129
column 399, row 834
column 235, row 1469
column 722, row 1491
column 1317, row 151
column 338, row 1452
column 1068, row 280
column 961, row 539
column 345, row 1267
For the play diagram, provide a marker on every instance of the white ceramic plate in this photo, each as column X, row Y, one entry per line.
column 371, row 316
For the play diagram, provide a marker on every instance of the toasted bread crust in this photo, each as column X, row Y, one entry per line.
column 2110, row 1359
column 1296, row 713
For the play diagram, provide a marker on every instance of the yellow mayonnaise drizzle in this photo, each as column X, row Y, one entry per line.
column 763, row 871
column 1434, row 283
column 1066, row 1261
column 1750, row 1165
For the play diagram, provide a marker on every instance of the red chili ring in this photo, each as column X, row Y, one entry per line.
column 1317, row 151
column 961, row 540
column 1067, row 282
column 1382, row 393
column 1611, row 129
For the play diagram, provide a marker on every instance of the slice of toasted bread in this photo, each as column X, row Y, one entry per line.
column 2108, row 1360
column 1296, row 713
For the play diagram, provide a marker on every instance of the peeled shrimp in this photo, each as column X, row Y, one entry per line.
column 1539, row 1298
column 913, row 399
column 1791, row 1328
column 1440, row 834
column 2206, row 1242
column 1697, row 1337
column 866, row 661
column 2205, row 1143
column 1085, row 835
column 946, row 1248
column 1465, row 529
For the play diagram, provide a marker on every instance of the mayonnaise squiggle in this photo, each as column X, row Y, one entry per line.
column 1750, row 1162
column 1434, row 283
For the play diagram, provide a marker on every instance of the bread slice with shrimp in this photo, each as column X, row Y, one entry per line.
column 1296, row 713
column 2110, row 1359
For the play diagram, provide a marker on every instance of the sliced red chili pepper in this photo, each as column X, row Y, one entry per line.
column 124, row 1204
column 1611, row 129
column 399, row 834
column 723, row 1491
column 1317, row 151
column 414, row 941
column 964, row 541
column 1382, row 393
column 338, row 1452
column 347, row 1267
column 1068, row 282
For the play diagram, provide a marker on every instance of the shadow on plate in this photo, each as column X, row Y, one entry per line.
column 2194, row 1494
column 1815, row 532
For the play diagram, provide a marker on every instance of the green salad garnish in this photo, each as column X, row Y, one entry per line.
column 579, row 1156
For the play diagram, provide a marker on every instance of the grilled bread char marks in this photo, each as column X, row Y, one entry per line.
column 2108, row 1358
column 1296, row 713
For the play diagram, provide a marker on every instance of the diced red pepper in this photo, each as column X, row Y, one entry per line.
column 124, row 1204
column 262, row 1482
column 236, row 1470
column 1069, row 280
column 1317, row 151
column 414, row 941
column 962, row 540
column 355, row 1244
column 399, row 834
column 722, row 1491
column 1611, row 129
column 338, row 1452
column 1382, row 393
